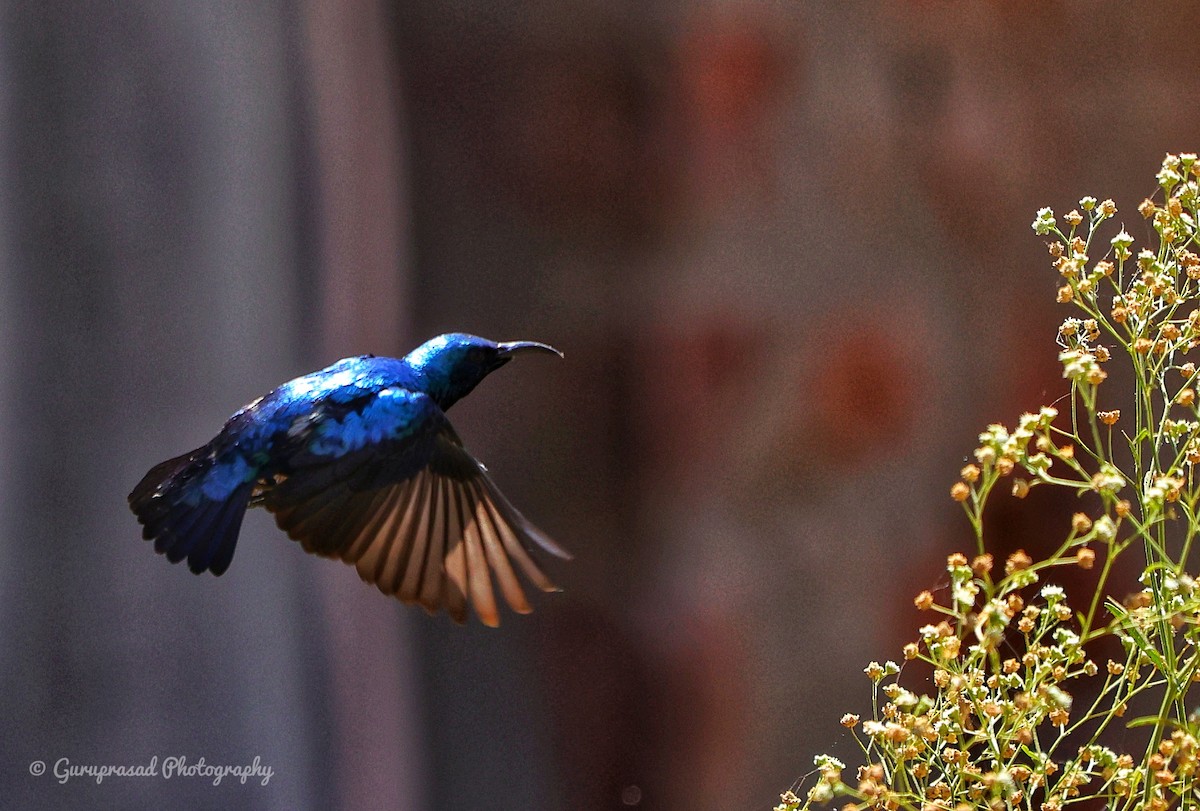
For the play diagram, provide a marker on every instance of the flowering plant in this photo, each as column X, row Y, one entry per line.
column 1018, row 714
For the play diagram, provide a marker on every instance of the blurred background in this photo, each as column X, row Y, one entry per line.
column 784, row 245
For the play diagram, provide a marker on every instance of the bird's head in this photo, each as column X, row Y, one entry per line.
column 452, row 365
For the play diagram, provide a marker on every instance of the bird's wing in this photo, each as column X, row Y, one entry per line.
column 414, row 512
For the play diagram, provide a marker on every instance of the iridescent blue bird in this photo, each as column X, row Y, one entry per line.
column 358, row 462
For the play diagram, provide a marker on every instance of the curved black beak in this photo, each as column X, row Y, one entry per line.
column 507, row 350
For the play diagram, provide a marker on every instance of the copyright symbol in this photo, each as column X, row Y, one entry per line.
column 37, row 768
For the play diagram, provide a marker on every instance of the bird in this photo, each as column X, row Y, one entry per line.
column 359, row 462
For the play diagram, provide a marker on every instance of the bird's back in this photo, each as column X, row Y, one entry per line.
column 289, row 411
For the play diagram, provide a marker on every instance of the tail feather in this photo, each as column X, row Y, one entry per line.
column 145, row 499
column 175, row 538
column 222, row 538
column 185, row 522
column 222, row 551
column 179, row 539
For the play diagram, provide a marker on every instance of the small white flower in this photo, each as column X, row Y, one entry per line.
column 1039, row 462
column 1023, row 577
column 828, row 762
column 1066, row 638
column 1078, row 364
column 1168, row 178
column 1105, row 528
column 964, row 593
column 821, row 793
column 1069, row 327
column 1108, row 478
column 1044, row 221
column 1060, row 697
column 995, row 435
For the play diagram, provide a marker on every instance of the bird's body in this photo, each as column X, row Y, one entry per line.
column 358, row 461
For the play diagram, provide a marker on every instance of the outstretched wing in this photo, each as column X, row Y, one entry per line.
column 412, row 510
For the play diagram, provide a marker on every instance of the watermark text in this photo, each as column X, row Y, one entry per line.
column 64, row 770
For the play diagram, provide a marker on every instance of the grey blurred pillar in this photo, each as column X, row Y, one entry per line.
column 158, row 269
column 381, row 753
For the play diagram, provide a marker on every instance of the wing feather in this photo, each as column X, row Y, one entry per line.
column 519, row 523
column 479, row 581
column 434, row 534
column 510, row 586
column 350, row 544
column 514, row 549
column 370, row 563
column 318, row 525
column 305, row 510
column 406, row 511
column 454, row 561
column 432, row 570
column 411, row 584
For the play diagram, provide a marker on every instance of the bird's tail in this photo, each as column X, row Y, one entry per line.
column 186, row 519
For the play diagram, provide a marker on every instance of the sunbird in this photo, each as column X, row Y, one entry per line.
column 358, row 462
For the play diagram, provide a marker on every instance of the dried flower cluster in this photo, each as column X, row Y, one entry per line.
column 1016, row 713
